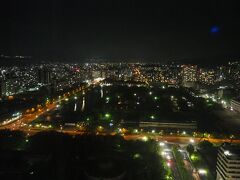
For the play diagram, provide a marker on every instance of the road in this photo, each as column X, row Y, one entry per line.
column 181, row 139
column 168, row 138
column 28, row 118
column 167, row 154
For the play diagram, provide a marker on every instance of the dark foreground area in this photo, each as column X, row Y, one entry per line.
column 52, row 155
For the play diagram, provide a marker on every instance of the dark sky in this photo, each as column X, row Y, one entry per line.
column 117, row 29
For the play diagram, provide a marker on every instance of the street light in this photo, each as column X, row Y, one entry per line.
column 202, row 171
column 107, row 115
column 193, row 157
column 152, row 117
column 191, row 140
column 161, row 144
column 107, row 99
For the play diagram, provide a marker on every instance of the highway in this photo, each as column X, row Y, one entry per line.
column 21, row 124
column 168, row 138
column 181, row 139
column 27, row 118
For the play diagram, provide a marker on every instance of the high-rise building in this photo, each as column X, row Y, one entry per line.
column 235, row 104
column 44, row 76
column 207, row 76
column 2, row 88
column 228, row 162
column 234, row 73
column 98, row 74
column 189, row 75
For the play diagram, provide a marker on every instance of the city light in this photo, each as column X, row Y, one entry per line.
column 120, row 90
column 107, row 99
column 168, row 157
column 163, row 153
column 162, row 144
column 135, row 130
column 100, row 128
column 227, row 153
column 145, row 138
column 193, row 157
column 202, row 171
column 107, row 115
column 152, row 117
column 191, row 140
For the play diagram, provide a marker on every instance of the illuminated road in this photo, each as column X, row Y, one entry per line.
column 181, row 139
column 189, row 168
column 26, row 119
column 168, row 138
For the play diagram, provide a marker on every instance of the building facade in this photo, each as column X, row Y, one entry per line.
column 44, row 76
column 189, row 75
column 235, row 105
column 228, row 162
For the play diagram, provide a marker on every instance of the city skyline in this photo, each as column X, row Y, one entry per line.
column 167, row 117
column 120, row 90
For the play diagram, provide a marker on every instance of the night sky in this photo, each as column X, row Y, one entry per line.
column 118, row 29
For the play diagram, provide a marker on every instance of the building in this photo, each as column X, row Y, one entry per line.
column 161, row 125
column 234, row 73
column 207, row 76
column 98, row 74
column 44, row 76
column 228, row 162
column 10, row 87
column 189, row 75
column 235, row 105
column 2, row 88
